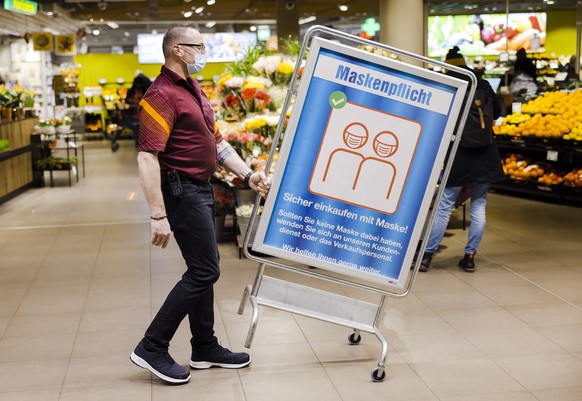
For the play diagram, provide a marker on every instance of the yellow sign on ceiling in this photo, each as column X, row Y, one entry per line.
column 42, row 40
column 65, row 45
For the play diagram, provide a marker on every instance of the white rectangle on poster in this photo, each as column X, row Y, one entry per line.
column 372, row 81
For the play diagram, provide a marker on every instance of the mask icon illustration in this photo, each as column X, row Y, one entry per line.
column 355, row 135
column 385, row 144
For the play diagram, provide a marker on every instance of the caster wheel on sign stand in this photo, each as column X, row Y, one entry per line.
column 354, row 339
column 378, row 377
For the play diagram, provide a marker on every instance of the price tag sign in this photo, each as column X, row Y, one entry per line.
column 516, row 107
column 552, row 155
column 561, row 76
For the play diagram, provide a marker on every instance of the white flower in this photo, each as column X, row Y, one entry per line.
column 245, row 210
column 272, row 63
column 272, row 120
column 235, row 82
column 259, row 82
column 278, row 94
column 266, row 81
column 259, row 65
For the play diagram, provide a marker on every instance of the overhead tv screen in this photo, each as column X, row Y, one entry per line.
column 486, row 34
column 149, row 49
column 220, row 47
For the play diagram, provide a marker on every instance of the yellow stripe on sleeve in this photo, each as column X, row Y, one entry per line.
column 155, row 115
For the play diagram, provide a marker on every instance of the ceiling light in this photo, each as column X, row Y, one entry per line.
column 187, row 1
column 307, row 19
column 253, row 28
column 50, row 13
column 550, row 2
column 154, row 32
column 199, row 10
column 126, row 34
column 187, row 14
column 210, row 24
column 113, row 25
column 343, row 7
column 96, row 32
column 210, row 2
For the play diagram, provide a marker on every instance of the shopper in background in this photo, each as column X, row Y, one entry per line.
column 524, row 76
column 179, row 148
column 473, row 170
column 128, row 112
column 139, row 86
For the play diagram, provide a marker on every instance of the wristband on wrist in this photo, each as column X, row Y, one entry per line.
column 158, row 218
column 247, row 178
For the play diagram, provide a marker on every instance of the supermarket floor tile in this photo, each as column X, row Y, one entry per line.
column 79, row 284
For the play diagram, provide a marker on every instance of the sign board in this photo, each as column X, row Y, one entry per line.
column 42, row 41
column 65, row 45
column 359, row 164
column 26, row 7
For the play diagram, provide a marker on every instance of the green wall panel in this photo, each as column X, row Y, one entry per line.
column 561, row 32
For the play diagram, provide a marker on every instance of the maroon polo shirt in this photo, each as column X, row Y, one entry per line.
column 176, row 119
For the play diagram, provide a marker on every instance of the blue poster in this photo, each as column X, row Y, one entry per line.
column 359, row 164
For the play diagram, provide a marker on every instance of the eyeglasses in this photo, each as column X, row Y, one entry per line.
column 200, row 46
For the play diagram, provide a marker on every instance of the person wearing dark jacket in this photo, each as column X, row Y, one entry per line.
column 474, row 169
column 524, row 65
column 524, row 76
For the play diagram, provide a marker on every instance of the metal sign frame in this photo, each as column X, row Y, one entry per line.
column 307, row 301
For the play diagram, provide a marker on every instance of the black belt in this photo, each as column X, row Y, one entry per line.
column 190, row 180
column 185, row 179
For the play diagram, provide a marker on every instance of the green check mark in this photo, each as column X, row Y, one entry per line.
column 338, row 99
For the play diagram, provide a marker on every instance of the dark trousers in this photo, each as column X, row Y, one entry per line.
column 192, row 221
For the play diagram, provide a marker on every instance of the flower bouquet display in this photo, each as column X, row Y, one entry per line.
column 243, row 217
column 277, row 68
column 63, row 125
column 13, row 100
column 242, row 96
column 223, row 199
column 251, row 95
column 256, row 84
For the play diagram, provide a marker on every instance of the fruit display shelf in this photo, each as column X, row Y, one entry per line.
column 528, row 172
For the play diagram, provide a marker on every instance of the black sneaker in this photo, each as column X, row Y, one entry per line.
column 468, row 262
column 161, row 364
column 425, row 262
column 220, row 357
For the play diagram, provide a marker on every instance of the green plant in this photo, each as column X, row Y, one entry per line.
column 56, row 163
column 7, row 97
column 291, row 46
column 244, row 66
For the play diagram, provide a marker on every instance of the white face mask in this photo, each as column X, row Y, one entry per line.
column 199, row 63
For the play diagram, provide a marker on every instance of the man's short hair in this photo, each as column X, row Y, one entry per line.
column 173, row 34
